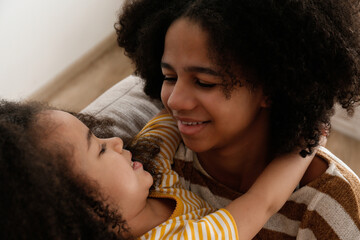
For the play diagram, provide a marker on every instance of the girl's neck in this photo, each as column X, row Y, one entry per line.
column 237, row 166
column 156, row 211
column 237, row 175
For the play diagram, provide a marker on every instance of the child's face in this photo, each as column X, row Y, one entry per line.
column 126, row 183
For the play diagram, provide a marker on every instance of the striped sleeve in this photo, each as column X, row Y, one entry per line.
column 327, row 208
column 332, row 213
column 217, row 225
column 333, row 203
column 165, row 128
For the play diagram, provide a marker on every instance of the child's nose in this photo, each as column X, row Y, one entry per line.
column 117, row 144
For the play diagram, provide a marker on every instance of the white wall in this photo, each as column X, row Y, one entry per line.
column 41, row 38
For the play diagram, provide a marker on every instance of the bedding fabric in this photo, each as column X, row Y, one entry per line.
column 128, row 105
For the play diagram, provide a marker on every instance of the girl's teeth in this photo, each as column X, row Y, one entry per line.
column 190, row 123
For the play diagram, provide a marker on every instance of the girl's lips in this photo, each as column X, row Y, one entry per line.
column 191, row 127
column 136, row 165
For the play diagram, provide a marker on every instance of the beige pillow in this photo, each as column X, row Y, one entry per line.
column 128, row 105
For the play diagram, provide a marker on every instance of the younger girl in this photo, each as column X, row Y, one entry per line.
column 58, row 180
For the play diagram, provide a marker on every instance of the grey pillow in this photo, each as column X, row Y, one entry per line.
column 127, row 104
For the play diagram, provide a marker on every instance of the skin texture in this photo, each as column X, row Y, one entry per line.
column 192, row 93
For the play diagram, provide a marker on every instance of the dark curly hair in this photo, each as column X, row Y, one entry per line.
column 41, row 197
column 304, row 54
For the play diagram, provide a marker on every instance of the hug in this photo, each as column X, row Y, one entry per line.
column 238, row 98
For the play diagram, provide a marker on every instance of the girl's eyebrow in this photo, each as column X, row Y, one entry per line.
column 197, row 69
column 88, row 138
column 166, row 65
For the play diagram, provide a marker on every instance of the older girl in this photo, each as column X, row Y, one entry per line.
column 249, row 80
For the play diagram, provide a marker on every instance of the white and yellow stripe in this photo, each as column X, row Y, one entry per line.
column 192, row 218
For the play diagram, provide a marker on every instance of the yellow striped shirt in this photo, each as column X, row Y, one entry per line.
column 192, row 218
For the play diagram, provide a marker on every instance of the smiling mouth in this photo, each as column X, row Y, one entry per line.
column 192, row 123
column 190, row 128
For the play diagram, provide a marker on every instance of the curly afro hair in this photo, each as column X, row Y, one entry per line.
column 41, row 198
column 304, row 54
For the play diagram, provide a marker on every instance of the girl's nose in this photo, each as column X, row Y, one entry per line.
column 181, row 97
column 116, row 144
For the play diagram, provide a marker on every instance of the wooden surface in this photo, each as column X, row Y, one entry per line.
column 88, row 78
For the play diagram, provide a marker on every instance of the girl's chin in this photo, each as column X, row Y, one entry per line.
column 195, row 145
column 150, row 178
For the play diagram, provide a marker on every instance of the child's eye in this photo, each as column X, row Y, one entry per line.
column 102, row 148
column 205, row 85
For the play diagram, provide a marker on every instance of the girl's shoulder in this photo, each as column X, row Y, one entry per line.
column 337, row 168
column 332, row 199
column 338, row 180
column 325, row 167
column 328, row 206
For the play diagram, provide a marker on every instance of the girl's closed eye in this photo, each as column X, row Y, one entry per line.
column 170, row 78
column 102, row 148
column 204, row 84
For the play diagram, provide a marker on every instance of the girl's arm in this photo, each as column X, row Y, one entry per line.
column 268, row 193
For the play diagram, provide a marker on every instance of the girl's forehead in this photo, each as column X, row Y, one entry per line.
column 66, row 130
column 61, row 124
column 186, row 40
column 189, row 32
column 62, row 117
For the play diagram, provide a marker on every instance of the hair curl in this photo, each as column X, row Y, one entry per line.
column 304, row 54
column 41, row 197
